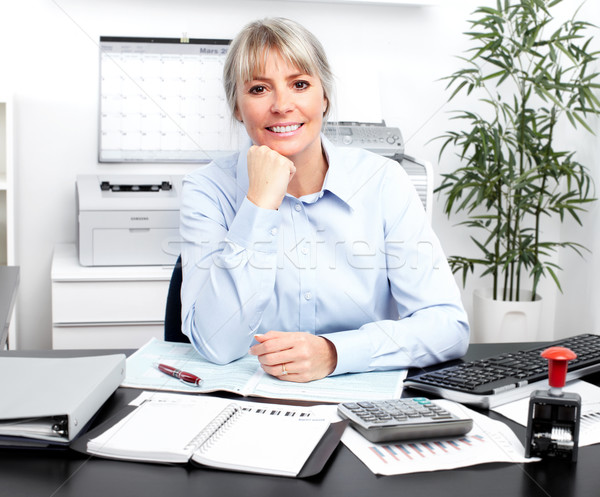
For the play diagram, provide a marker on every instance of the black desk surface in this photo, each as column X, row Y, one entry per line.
column 59, row 473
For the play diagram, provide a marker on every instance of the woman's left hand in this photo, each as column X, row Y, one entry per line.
column 295, row 356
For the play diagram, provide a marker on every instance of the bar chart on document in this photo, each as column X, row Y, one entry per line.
column 399, row 453
column 488, row 441
column 163, row 101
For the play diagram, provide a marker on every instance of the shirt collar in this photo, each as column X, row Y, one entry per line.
column 336, row 179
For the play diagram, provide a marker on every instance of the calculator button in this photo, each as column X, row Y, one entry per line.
column 368, row 418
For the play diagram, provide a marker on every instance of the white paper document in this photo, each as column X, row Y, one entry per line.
column 488, row 441
column 246, row 377
column 589, row 427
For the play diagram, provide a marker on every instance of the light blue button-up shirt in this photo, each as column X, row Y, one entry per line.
column 356, row 263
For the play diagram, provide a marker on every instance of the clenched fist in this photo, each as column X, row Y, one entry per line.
column 269, row 174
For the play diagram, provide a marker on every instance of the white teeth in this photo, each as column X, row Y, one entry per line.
column 284, row 129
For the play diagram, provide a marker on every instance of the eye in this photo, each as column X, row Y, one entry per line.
column 257, row 89
column 301, row 85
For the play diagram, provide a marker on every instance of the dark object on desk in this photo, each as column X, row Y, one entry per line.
column 506, row 377
column 554, row 415
column 9, row 282
column 173, row 309
column 184, row 376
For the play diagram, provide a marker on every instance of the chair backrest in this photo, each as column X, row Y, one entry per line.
column 173, row 308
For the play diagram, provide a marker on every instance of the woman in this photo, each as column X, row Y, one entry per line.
column 316, row 259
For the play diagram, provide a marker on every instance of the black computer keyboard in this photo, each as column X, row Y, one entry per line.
column 510, row 376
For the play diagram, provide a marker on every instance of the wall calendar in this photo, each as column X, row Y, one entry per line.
column 162, row 100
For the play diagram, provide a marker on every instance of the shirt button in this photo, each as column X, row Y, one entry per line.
column 274, row 231
column 298, row 207
column 308, row 295
column 304, row 250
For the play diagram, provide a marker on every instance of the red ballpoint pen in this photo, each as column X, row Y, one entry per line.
column 182, row 375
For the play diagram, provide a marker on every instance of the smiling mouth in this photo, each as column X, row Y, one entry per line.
column 284, row 129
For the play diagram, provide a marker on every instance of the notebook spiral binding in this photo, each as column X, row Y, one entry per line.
column 213, row 431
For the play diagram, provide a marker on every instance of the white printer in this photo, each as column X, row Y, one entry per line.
column 128, row 220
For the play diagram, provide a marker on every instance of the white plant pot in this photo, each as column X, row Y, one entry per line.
column 505, row 321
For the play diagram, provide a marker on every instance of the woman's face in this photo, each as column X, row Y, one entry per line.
column 283, row 108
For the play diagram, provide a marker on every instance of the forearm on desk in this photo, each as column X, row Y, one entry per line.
column 427, row 337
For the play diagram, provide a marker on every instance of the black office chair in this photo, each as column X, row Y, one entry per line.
column 173, row 309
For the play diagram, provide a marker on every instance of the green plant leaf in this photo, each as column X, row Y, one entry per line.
column 529, row 72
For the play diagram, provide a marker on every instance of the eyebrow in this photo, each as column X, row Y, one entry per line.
column 292, row 76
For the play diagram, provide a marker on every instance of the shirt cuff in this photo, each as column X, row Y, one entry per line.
column 353, row 351
column 255, row 228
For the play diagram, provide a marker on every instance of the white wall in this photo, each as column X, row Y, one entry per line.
column 49, row 61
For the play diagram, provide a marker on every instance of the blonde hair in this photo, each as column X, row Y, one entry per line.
column 296, row 45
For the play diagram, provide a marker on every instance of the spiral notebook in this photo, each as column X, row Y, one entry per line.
column 209, row 431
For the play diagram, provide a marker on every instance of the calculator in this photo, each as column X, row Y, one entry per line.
column 403, row 419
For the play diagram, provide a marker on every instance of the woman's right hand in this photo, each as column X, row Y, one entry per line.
column 269, row 174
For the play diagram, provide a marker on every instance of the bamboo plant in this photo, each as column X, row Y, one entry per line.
column 529, row 72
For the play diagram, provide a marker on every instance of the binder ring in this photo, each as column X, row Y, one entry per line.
column 283, row 370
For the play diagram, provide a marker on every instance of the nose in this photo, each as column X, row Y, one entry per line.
column 282, row 101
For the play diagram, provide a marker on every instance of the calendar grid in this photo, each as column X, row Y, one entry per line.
column 162, row 100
